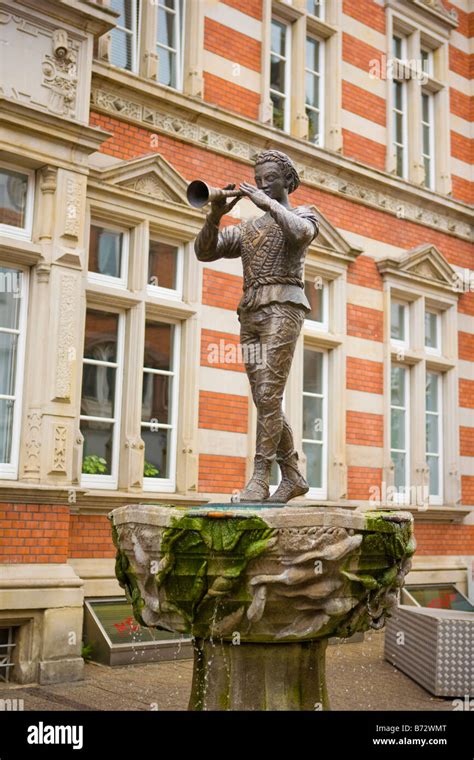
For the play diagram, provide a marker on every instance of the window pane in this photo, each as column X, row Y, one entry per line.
column 277, row 74
column 431, row 329
column 398, row 95
column 314, row 133
column 398, row 437
column 166, row 29
column 425, row 101
column 8, row 359
column 397, row 321
column 162, row 264
column 398, row 379
column 156, row 398
column 98, row 390
column 167, row 68
column 427, row 167
column 158, row 346
column 157, row 448
column 313, row 418
column 314, row 464
column 105, row 251
column 315, row 7
column 6, row 429
column 278, row 40
column 121, row 50
column 432, row 392
column 433, row 464
column 278, row 111
column 432, row 433
column 400, row 166
column 97, row 451
column 400, row 475
column 313, row 371
column 101, row 336
column 10, row 290
column 425, row 61
column 426, row 139
column 124, row 7
column 312, row 90
column 397, row 46
column 13, row 190
column 312, row 54
column 315, row 294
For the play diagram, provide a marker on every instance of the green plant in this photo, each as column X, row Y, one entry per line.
column 149, row 470
column 94, row 465
column 86, row 651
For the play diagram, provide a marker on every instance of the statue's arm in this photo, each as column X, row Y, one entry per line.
column 300, row 229
column 213, row 243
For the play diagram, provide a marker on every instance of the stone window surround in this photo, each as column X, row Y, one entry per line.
column 419, row 33
column 147, row 55
column 418, row 360
column 140, row 304
column 22, row 233
column 302, row 23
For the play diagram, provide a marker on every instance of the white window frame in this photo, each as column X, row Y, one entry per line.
column 404, row 497
column 96, row 278
column 9, row 470
column 21, row 233
column 167, row 484
column 404, row 114
column 429, row 58
column 312, row 325
column 134, row 32
column 321, row 492
column 178, row 51
column 434, row 350
column 322, row 12
column 437, row 498
column 109, row 481
column 402, row 37
column 406, row 323
column 430, row 181
column 321, row 83
column 286, row 95
column 157, row 290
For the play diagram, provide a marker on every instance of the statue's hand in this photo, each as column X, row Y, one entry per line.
column 256, row 196
column 221, row 206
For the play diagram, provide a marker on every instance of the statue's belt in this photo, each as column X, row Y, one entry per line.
column 251, row 287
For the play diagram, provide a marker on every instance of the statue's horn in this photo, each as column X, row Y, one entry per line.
column 199, row 193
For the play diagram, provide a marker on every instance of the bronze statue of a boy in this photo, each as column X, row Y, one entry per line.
column 272, row 309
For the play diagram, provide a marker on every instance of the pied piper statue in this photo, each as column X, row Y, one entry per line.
column 273, row 306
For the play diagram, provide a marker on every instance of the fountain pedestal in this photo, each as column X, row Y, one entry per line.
column 261, row 590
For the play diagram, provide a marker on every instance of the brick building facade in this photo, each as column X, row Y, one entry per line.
column 121, row 375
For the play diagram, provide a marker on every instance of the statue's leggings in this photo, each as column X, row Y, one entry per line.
column 268, row 338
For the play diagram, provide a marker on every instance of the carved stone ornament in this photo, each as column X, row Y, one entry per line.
column 68, row 294
column 33, row 442
column 60, row 448
column 60, row 75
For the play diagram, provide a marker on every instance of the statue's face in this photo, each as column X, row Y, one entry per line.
column 270, row 178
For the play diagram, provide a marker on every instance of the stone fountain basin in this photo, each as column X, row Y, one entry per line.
column 261, row 575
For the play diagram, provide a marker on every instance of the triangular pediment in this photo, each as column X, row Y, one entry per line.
column 330, row 240
column 437, row 10
column 425, row 264
column 150, row 175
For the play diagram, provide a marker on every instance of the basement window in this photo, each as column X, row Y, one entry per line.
column 7, row 645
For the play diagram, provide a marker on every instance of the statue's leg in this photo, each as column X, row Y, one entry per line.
column 278, row 328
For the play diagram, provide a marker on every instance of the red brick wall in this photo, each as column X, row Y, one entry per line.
column 364, row 375
column 223, row 411
column 221, row 289
column 466, row 438
column 363, row 271
column 363, row 322
column 250, row 7
column 358, row 53
column 444, row 539
column 91, row 536
column 229, row 95
column 231, row 44
column 467, row 490
column 221, row 474
column 364, row 150
column 364, row 103
column 360, row 481
column 35, row 533
column 466, row 346
column 367, row 12
column 466, row 393
column 364, row 428
column 210, row 339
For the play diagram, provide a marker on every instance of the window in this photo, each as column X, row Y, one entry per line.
column 165, row 265
column 399, row 430
column 7, row 645
column 13, row 311
column 432, row 332
column 399, row 47
column 280, row 57
column 159, row 404
column 169, row 42
column 314, row 78
column 16, row 201
column 108, row 255
column 316, row 292
column 427, row 137
column 400, row 127
column 315, row 434
column 427, row 61
column 101, row 397
column 434, row 436
column 124, row 38
column 316, row 8
column 399, row 324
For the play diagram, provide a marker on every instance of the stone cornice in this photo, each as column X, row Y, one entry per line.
column 87, row 15
column 191, row 120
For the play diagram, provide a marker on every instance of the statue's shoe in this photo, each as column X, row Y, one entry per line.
column 289, row 489
column 255, row 491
